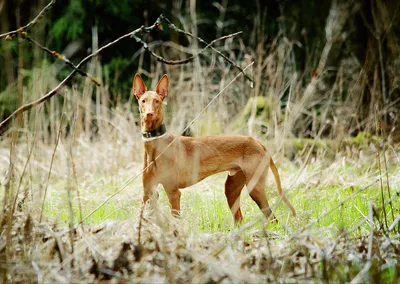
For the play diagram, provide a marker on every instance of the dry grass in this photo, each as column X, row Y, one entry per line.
column 345, row 189
column 174, row 250
column 328, row 240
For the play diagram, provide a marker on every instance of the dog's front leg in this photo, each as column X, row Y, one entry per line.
column 174, row 196
column 149, row 188
column 150, row 194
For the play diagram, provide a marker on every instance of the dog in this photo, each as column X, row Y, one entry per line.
column 188, row 160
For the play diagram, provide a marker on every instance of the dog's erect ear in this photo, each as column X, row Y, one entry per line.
column 139, row 88
column 162, row 86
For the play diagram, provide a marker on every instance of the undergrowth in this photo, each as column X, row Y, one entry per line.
column 71, row 192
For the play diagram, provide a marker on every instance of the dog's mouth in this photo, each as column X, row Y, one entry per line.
column 149, row 122
column 149, row 119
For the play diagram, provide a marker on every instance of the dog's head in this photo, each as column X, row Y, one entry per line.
column 150, row 102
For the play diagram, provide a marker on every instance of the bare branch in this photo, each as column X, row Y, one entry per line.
column 24, row 35
column 178, row 30
column 53, row 92
column 31, row 23
column 184, row 61
column 61, row 57
column 76, row 69
column 22, row 31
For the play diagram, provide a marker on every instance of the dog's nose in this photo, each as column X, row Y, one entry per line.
column 149, row 114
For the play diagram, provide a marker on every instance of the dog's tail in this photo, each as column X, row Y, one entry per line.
column 279, row 186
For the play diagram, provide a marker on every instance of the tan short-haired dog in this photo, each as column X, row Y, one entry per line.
column 189, row 160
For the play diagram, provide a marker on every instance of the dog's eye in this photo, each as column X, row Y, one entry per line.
column 143, row 101
column 157, row 101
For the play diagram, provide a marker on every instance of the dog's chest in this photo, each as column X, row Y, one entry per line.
column 161, row 157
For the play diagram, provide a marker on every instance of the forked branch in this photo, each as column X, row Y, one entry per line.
column 77, row 68
column 66, row 79
column 31, row 23
column 60, row 57
column 178, row 30
column 187, row 60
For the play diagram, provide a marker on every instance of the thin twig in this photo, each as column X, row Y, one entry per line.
column 66, row 79
column 184, row 61
column 73, row 166
column 10, row 214
column 378, row 157
column 71, row 211
column 178, row 30
column 21, row 178
column 62, row 58
column 397, row 194
column 140, row 225
column 360, row 276
column 391, row 227
column 31, row 23
column 387, row 181
column 383, row 73
column 51, row 166
column 371, row 235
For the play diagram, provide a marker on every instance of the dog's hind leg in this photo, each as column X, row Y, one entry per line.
column 259, row 197
column 233, row 187
column 255, row 182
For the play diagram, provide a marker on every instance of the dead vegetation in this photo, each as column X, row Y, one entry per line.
column 60, row 162
column 169, row 252
column 321, row 244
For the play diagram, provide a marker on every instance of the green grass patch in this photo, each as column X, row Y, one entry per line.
column 316, row 192
column 205, row 208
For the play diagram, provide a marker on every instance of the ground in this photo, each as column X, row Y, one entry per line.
column 332, row 237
